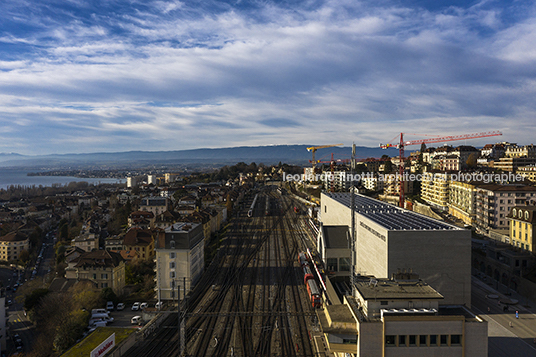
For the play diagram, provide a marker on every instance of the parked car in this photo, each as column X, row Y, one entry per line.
column 99, row 311
column 136, row 306
column 110, row 305
column 136, row 320
column 159, row 305
column 144, row 305
column 120, row 306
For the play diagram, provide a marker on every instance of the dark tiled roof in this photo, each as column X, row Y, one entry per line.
column 99, row 258
column 14, row 237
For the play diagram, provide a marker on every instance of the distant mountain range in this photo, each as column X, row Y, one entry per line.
column 291, row 154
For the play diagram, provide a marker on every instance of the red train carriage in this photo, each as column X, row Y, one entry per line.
column 302, row 259
column 307, row 274
column 314, row 293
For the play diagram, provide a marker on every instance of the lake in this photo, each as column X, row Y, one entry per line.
column 9, row 177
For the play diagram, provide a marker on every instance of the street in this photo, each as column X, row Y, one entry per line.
column 504, row 341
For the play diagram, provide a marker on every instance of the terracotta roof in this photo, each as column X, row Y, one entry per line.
column 127, row 255
column 138, row 236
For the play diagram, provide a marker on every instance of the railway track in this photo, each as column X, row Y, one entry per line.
column 259, row 305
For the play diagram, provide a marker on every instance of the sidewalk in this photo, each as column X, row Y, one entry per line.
column 522, row 304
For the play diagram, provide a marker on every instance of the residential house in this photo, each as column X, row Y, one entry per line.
column 105, row 269
column 141, row 241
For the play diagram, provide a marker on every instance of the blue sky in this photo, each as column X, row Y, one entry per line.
column 82, row 76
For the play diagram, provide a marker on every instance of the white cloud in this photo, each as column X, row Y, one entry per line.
column 330, row 68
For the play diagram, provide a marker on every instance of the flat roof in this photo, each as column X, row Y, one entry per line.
column 371, row 288
column 389, row 216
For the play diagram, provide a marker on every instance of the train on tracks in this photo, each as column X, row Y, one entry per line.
column 252, row 207
column 310, row 282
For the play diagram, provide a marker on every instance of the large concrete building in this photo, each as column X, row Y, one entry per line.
column 389, row 238
column 402, row 316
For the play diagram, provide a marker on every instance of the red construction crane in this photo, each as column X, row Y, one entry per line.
column 440, row 139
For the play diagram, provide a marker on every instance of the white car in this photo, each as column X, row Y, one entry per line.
column 120, row 306
column 136, row 320
column 136, row 306
column 144, row 305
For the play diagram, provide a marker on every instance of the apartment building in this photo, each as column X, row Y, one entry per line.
column 86, row 241
column 155, row 205
column 180, row 259
column 12, row 244
column 520, row 151
column 522, row 221
column 493, row 202
column 461, row 201
column 141, row 241
column 528, row 172
column 512, row 164
column 389, row 238
column 372, row 182
column 435, row 189
column 172, row 177
column 391, row 185
column 142, row 219
column 335, row 181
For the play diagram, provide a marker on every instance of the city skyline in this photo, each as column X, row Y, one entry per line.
column 91, row 76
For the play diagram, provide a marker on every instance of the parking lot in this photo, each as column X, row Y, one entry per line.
column 122, row 318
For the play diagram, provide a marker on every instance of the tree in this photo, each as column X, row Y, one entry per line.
column 107, row 294
column 34, row 298
column 472, row 160
column 24, row 256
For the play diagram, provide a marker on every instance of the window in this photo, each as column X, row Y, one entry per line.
column 172, row 265
column 390, row 340
column 444, row 339
column 172, row 255
column 94, row 276
column 433, row 340
column 104, row 276
column 455, row 340
column 344, row 264
column 172, row 244
column 332, row 264
column 422, row 340
column 104, row 285
column 172, row 274
column 412, row 340
column 401, row 340
column 325, row 209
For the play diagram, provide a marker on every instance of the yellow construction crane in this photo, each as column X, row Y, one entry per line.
column 314, row 148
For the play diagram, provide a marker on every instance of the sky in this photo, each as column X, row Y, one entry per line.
column 81, row 76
